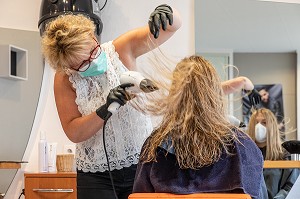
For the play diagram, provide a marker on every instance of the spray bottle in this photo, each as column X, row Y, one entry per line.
column 43, row 153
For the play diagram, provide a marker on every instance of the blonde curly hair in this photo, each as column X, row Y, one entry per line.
column 66, row 38
column 194, row 116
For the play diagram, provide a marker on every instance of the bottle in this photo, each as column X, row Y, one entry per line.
column 52, row 156
column 43, row 153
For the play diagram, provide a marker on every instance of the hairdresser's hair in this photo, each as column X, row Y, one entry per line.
column 274, row 150
column 67, row 38
column 194, row 116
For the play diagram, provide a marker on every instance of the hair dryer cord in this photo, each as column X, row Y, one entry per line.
column 106, row 155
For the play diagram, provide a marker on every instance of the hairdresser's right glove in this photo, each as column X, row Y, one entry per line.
column 254, row 97
column 160, row 17
column 117, row 94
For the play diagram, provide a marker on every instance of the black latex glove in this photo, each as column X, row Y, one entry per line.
column 160, row 17
column 254, row 97
column 117, row 94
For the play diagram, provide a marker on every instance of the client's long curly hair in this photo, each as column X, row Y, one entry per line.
column 194, row 116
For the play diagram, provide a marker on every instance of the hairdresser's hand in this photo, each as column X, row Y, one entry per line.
column 117, row 94
column 160, row 17
column 254, row 97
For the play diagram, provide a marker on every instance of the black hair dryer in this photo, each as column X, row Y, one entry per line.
column 293, row 147
column 50, row 9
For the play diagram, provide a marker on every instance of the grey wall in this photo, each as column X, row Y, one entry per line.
column 272, row 68
column 18, row 101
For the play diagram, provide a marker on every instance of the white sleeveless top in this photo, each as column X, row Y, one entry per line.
column 125, row 131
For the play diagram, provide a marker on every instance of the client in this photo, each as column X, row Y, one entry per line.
column 195, row 149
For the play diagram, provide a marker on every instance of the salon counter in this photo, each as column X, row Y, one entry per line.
column 284, row 164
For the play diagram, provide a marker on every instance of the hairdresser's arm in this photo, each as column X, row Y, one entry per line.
column 140, row 41
column 236, row 84
column 78, row 128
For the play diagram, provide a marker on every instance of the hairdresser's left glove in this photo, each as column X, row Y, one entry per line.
column 254, row 97
column 160, row 17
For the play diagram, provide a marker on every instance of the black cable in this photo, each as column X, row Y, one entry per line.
column 22, row 193
column 104, row 145
column 103, row 5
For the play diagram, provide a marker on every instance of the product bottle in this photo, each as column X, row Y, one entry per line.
column 43, row 153
column 52, row 156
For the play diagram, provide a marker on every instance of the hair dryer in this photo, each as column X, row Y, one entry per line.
column 235, row 121
column 140, row 84
column 292, row 146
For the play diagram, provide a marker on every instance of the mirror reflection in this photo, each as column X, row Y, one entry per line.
column 258, row 37
column 261, row 39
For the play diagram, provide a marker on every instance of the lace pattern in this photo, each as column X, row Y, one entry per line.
column 125, row 131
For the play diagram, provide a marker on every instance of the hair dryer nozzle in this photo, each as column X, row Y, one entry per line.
column 148, row 86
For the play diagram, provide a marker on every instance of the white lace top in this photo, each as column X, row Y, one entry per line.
column 125, row 131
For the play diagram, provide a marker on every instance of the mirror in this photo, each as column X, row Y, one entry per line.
column 18, row 99
column 260, row 38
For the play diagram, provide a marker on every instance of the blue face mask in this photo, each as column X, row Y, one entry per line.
column 97, row 67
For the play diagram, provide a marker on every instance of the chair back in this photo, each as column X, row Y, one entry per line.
column 189, row 196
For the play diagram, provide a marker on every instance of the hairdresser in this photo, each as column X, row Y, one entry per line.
column 87, row 82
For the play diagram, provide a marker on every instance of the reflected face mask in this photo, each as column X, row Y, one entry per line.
column 260, row 133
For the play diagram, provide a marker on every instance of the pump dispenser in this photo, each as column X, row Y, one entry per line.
column 43, row 153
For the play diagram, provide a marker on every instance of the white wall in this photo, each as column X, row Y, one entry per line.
column 18, row 14
column 118, row 17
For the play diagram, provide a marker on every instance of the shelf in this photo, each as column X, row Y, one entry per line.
column 11, row 164
column 13, row 62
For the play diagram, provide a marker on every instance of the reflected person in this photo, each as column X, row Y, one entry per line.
column 264, row 130
column 272, row 104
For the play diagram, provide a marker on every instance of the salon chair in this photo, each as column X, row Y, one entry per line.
column 189, row 196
